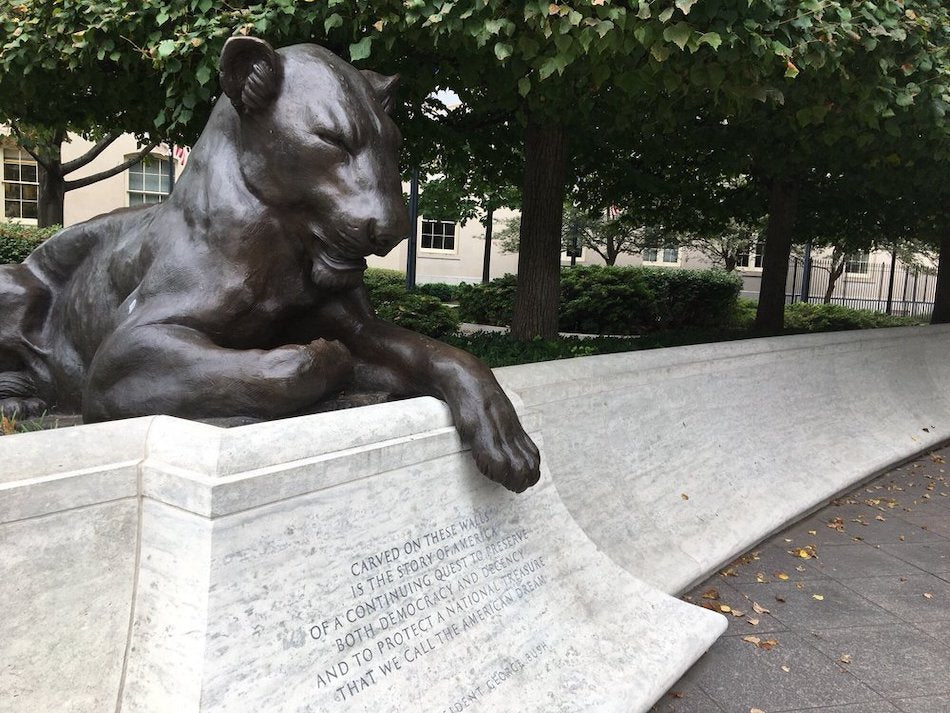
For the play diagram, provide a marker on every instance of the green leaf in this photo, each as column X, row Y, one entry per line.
column 660, row 51
column 710, row 38
column 685, row 5
column 666, row 14
column 361, row 50
column 904, row 99
column 204, row 5
column 563, row 42
column 524, row 86
column 644, row 10
column 548, row 68
column 678, row 34
column 332, row 21
column 502, row 50
column 203, row 74
column 165, row 48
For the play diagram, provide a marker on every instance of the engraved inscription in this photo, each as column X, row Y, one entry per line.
column 416, row 595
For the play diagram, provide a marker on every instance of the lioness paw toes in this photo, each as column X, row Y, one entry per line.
column 22, row 408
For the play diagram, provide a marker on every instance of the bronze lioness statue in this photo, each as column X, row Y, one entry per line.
column 242, row 293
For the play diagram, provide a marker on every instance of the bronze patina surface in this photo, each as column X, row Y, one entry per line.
column 242, row 293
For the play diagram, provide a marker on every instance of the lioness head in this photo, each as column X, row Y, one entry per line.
column 317, row 143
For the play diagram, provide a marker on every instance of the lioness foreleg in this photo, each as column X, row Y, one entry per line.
column 176, row 370
column 406, row 363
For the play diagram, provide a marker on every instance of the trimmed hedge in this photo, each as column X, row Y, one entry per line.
column 440, row 290
column 618, row 300
column 420, row 313
column 812, row 317
column 18, row 241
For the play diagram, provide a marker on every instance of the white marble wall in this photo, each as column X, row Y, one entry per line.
column 673, row 461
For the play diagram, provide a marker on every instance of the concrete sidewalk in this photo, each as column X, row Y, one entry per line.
column 847, row 611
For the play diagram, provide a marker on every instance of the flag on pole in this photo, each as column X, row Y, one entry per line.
column 180, row 154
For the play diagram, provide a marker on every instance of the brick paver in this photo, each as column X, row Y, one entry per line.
column 847, row 611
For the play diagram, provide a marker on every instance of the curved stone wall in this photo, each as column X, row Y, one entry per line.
column 674, row 461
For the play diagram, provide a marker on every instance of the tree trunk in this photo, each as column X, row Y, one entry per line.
column 941, row 313
column 783, row 199
column 539, row 260
column 486, row 260
column 52, row 193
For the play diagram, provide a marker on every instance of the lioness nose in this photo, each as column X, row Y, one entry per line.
column 386, row 235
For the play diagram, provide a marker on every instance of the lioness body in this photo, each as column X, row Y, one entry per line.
column 242, row 293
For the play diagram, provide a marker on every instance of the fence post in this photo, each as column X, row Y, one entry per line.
column 794, row 277
column 413, row 227
column 890, row 285
column 806, row 273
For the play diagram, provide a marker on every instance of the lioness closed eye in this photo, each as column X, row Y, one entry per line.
column 242, row 294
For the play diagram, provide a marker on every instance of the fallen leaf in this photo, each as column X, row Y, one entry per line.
column 786, row 669
column 928, row 595
column 845, row 658
column 782, row 576
column 780, row 599
column 761, row 578
column 937, row 458
column 737, row 613
column 805, row 553
column 880, row 518
column 813, row 532
column 676, row 694
column 753, row 622
column 756, row 710
column 818, row 597
column 684, row 496
column 711, row 594
column 759, row 609
column 754, row 640
column 725, row 608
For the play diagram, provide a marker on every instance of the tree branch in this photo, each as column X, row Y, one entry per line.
column 70, row 166
column 22, row 143
column 88, row 180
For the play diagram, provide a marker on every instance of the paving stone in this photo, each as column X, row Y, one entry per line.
column 802, row 533
column 767, row 561
column 740, row 676
column 939, row 630
column 904, row 595
column 926, row 704
column 737, row 600
column 881, row 706
column 895, row 661
column 894, row 529
column 685, row 696
column 859, row 560
column 933, row 557
column 937, row 523
column 803, row 612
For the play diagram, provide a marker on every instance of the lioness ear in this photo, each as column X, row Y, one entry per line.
column 249, row 72
column 383, row 87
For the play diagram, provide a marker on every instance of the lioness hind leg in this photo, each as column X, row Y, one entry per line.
column 25, row 300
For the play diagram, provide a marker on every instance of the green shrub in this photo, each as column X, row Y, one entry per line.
column 420, row 313
column 490, row 303
column 619, row 300
column 440, row 290
column 598, row 300
column 18, row 241
column 744, row 315
column 692, row 298
column 811, row 317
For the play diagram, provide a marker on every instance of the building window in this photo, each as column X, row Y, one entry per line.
column 857, row 263
column 751, row 258
column 438, row 236
column 149, row 181
column 20, row 186
column 668, row 255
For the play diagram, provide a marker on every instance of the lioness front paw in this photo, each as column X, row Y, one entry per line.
column 18, row 408
column 501, row 448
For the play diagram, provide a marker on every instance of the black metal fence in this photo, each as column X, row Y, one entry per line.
column 904, row 290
